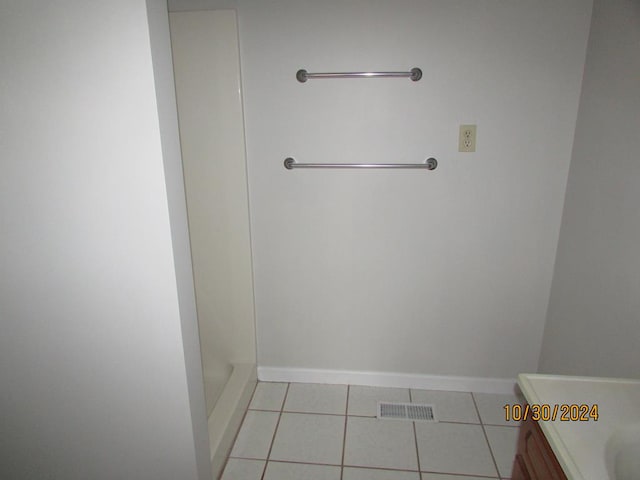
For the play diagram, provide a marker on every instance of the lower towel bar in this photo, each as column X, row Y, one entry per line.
column 429, row 164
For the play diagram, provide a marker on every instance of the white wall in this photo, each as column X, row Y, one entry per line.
column 593, row 325
column 445, row 272
column 92, row 362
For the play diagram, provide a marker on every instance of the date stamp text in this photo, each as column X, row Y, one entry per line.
column 573, row 412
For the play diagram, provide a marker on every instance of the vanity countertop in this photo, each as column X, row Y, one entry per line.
column 580, row 445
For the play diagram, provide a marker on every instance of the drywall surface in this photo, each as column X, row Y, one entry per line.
column 207, row 72
column 593, row 324
column 445, row 272
column 160, row 41
column 92, row 364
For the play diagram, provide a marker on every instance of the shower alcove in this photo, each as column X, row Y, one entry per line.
column 208, row 90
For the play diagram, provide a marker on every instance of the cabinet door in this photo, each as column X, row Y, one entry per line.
column 535, row 459
column 520, row 471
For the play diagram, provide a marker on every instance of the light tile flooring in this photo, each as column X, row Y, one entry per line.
column 330, row 432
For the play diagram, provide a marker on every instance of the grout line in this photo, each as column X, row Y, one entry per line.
column 284, row 398
column 273, row 439
column 253, row 394
column 495, row 463
column 374, row 417
column 415, row 438
column 273, row 410
column 363, row 467
column 389, row 469
column 344, row 437
column 246, row 458
column 299, row 462
column 315, row 413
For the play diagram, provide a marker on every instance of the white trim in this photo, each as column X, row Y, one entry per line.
column 387, row 379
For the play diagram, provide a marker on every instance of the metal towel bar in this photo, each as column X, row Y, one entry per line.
column 429, row 164
column 415, row 74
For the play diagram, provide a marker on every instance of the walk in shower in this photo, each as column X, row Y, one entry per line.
column 208, row 90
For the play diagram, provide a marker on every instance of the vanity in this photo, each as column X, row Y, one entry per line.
column 578, row 428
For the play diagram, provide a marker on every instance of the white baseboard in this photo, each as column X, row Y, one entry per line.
column 386, row 379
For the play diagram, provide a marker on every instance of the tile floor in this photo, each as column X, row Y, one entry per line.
column 330, row 432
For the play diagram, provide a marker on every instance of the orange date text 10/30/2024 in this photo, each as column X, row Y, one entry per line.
column 573, row 412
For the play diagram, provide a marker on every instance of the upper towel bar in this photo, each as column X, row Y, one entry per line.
column 415, row 74
column 429, row 164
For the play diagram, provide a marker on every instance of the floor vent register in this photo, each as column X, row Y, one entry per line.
column 413, row 412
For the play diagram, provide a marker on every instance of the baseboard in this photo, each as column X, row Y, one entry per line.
column 386, row 379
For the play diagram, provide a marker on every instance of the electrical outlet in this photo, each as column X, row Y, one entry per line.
column 467, row 139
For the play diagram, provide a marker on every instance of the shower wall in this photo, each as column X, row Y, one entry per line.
column 426, row 273
column 207, row 76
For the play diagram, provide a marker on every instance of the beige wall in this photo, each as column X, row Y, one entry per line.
column 593, row 325
column 207, row 72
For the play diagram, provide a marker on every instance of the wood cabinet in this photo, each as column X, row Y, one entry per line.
column 534, row 459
